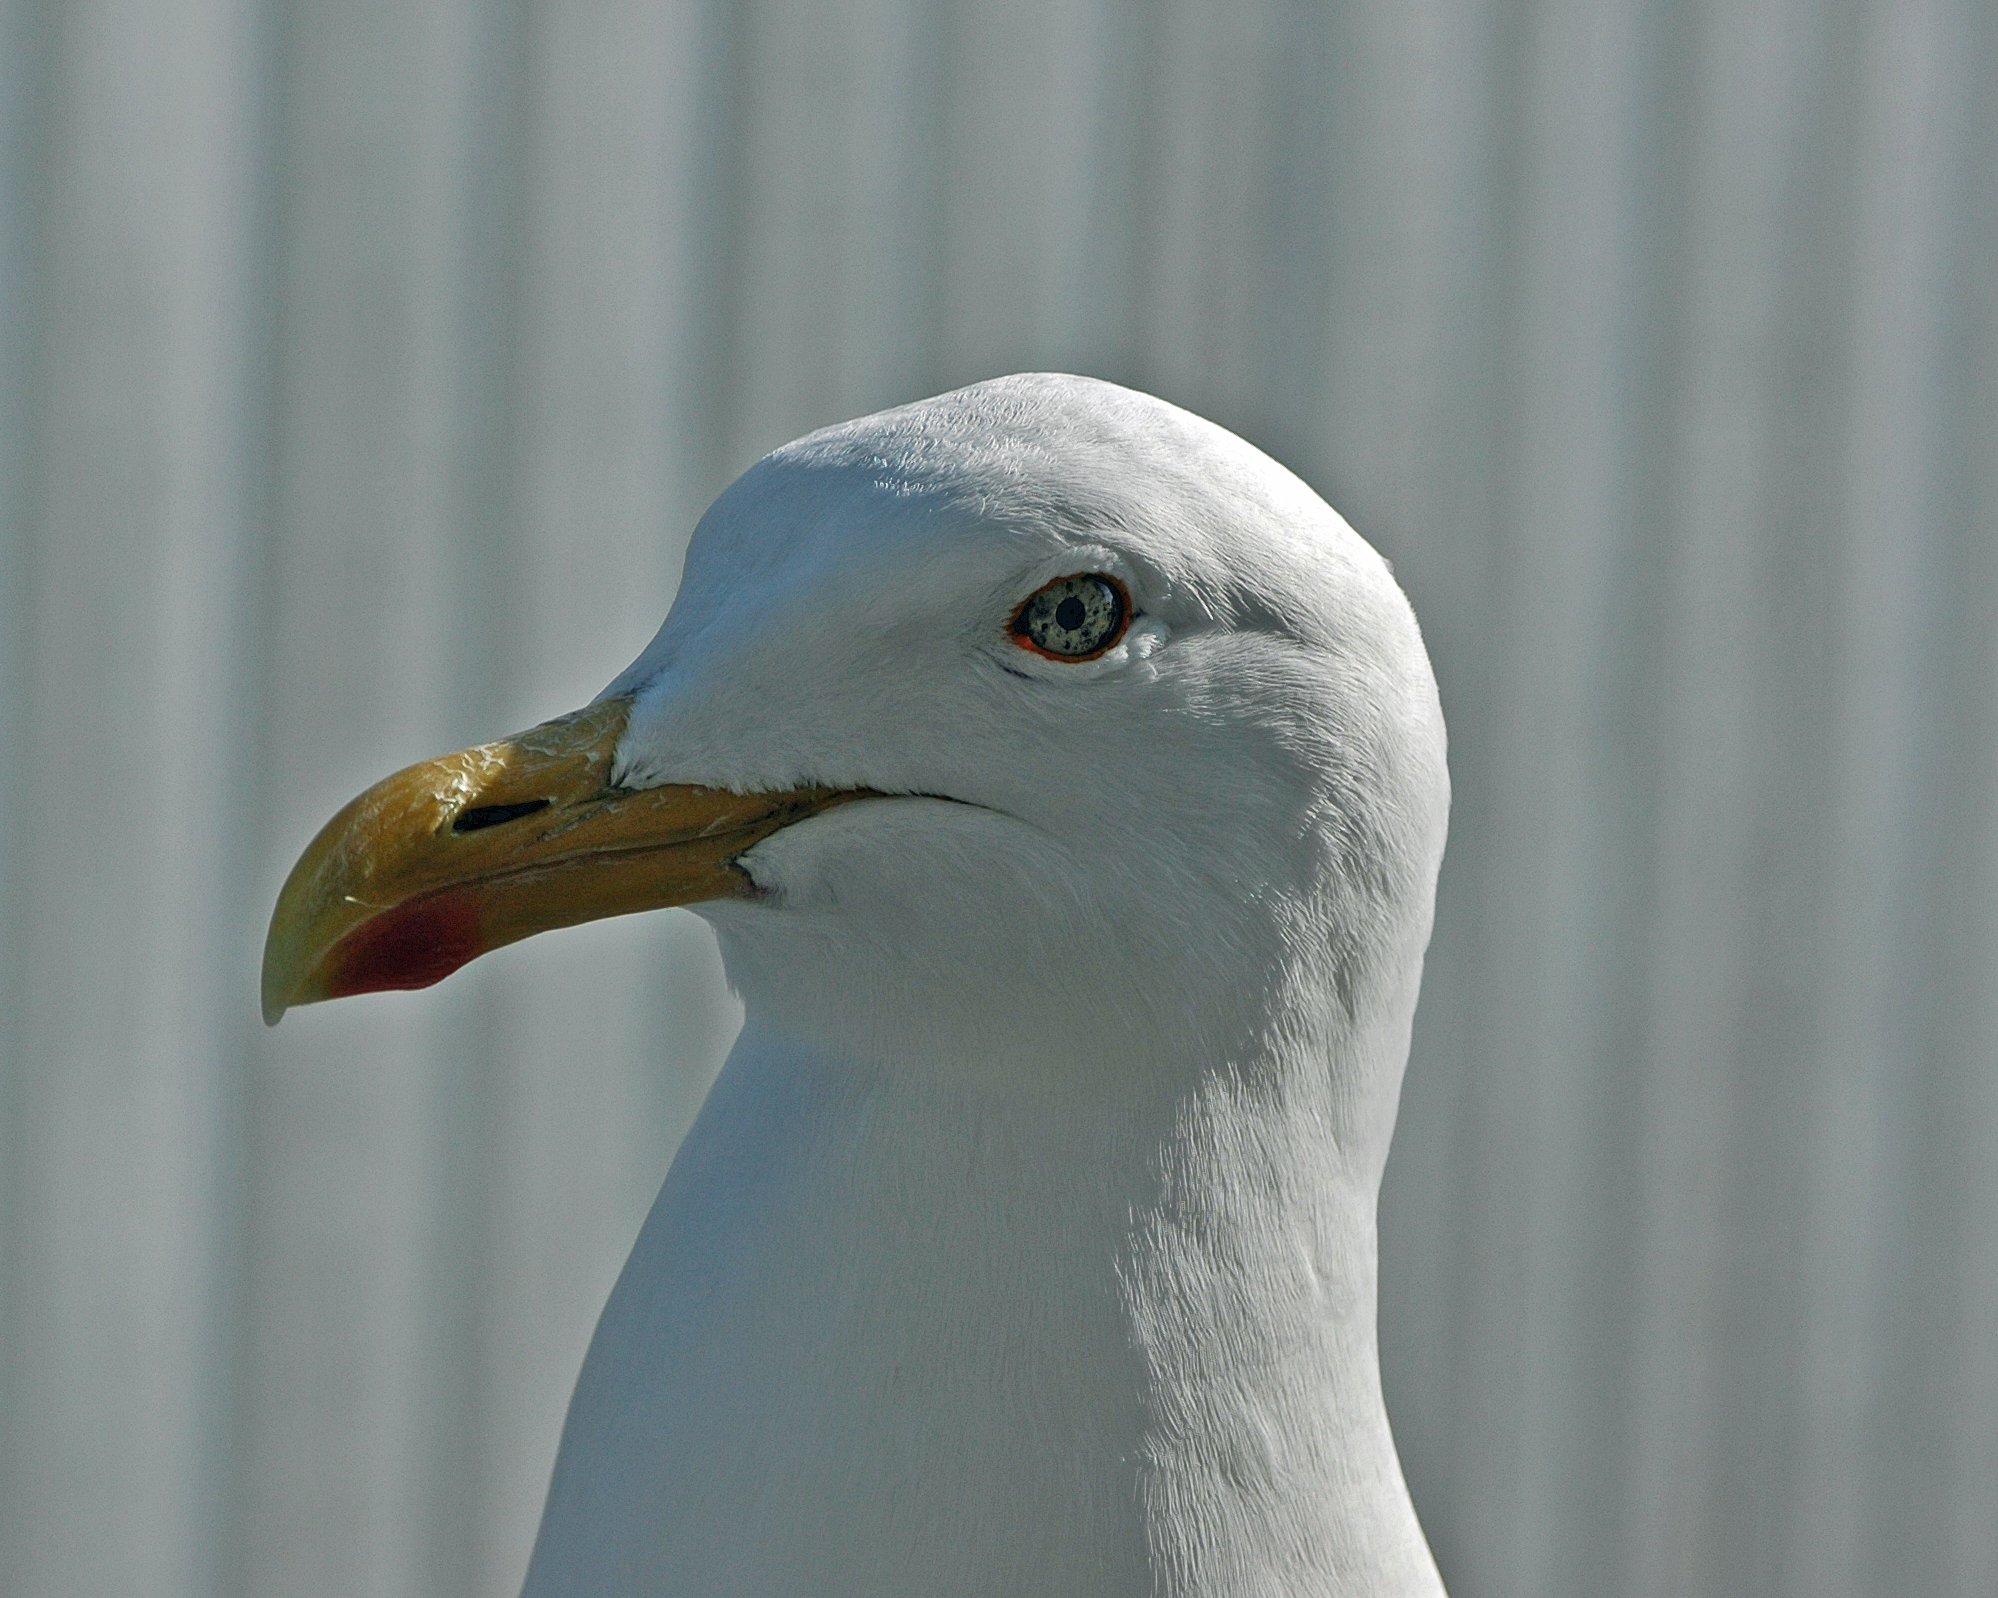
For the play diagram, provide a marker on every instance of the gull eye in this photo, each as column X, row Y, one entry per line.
column 1073, row 618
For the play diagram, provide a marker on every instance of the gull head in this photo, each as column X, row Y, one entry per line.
column 1022, row 727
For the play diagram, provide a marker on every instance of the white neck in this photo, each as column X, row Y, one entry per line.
column 892, row 1331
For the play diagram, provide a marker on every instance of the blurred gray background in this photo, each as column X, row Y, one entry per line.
column 363, row 367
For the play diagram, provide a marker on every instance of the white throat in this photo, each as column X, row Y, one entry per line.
column 893, row 1331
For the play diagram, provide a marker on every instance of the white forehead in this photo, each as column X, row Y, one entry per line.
column 988, row 483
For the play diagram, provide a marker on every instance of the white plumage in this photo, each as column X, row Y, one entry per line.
column 1026, row 1243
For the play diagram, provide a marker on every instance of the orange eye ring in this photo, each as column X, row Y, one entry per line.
column 1077, row 618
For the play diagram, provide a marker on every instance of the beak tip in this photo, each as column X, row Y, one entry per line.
column 272, row 1004
column 273, row 995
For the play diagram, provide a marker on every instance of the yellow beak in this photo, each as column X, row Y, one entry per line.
column 443, row 861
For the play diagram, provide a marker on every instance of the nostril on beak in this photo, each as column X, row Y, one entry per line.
column 483, row 816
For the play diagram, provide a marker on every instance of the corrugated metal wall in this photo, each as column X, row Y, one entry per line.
column 363, row 366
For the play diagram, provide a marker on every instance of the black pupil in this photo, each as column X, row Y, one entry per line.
column 483, row 816
column 1069, row 613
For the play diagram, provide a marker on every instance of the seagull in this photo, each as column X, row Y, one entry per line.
column 1064, row 782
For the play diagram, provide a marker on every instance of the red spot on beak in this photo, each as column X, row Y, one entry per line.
column 411, row 946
